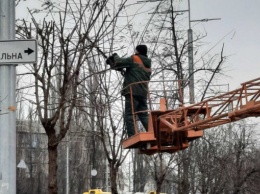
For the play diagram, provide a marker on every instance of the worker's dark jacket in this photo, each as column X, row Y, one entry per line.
column 136, row 71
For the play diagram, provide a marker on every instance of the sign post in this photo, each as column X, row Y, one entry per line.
column 7, row 104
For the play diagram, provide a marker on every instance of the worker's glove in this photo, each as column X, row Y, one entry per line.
column 110, row 60
column 114, row 54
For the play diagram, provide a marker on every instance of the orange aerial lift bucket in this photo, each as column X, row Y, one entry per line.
column 172, row 130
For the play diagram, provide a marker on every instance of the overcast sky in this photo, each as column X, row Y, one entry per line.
column 239, row 29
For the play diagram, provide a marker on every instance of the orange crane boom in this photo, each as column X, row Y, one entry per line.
column 172, row 130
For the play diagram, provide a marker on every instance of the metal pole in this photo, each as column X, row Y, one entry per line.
column 67, row 166
column 191, row 67
column 189, row 13
column 190, row 55
column 107, row 171
column 7, row 104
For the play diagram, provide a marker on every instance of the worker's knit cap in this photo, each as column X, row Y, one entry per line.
column 142, row 49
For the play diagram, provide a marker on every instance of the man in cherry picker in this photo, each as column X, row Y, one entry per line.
column 137, row 69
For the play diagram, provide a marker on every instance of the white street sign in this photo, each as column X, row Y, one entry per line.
column 22, row 164
column 18, row 51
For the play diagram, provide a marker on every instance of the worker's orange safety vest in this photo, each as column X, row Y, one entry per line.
column 137, row 60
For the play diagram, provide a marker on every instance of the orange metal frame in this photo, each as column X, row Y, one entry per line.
column 172, row 130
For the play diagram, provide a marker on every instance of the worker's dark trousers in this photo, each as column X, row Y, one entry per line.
column 139, row 104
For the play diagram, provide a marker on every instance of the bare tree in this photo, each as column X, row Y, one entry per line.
column 170, row 44
column 224, row 162
column 64, row 47
column 73, row 89
column 161, row 166
column 108, row 118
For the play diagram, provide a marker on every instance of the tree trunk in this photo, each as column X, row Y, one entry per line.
column 53, row 154
column 159, row 187
column 113, row 178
